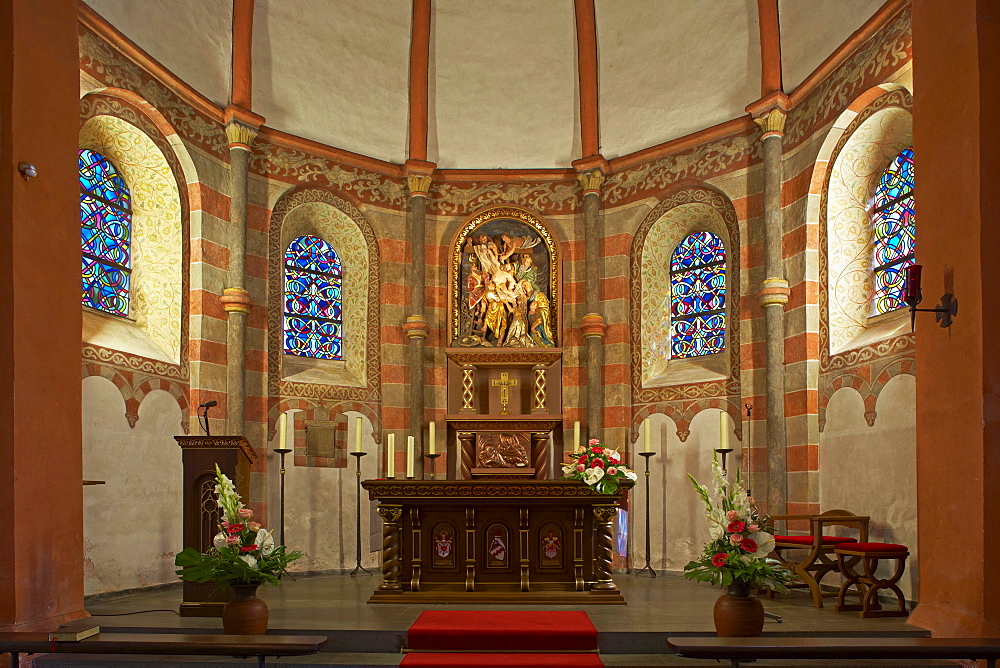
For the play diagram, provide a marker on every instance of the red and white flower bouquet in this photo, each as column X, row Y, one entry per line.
column 599, row 467
column 739, row 548
column 244, row 552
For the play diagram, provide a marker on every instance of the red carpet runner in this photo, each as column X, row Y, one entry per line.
column 487, row 638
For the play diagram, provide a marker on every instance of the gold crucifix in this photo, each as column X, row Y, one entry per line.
column 503, row 383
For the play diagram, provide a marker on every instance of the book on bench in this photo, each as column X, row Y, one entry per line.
column 75, row 631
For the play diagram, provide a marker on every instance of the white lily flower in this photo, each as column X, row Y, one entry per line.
column 219, row 541
column 250, row 561
column 569, row 469
column 592, row 475
column 265, row 541
column 630, row 474
column 765, row 543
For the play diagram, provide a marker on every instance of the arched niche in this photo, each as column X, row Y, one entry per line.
column 688, row 210
column 861, row 144
column 319, row 212
column 154, row 325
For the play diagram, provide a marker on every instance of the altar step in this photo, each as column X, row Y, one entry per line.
column 499, row 638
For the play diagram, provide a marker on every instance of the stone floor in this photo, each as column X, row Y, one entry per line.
column 372, row 635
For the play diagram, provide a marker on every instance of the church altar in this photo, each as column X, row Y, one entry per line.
column 495, row 541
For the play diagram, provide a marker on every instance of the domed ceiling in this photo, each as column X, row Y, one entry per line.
column 503, row 81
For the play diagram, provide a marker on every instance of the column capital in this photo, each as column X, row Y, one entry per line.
column 416, row 327
column 242, row 126
column 592, row 325
column 418, row 177
column 590, row 173
column 236, row 300
column 773, row 292
column 769, row 113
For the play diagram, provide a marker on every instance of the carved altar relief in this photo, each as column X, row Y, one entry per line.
column 502, row 451
column 505, row 284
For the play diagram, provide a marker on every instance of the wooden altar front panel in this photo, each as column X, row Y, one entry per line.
column 495, row 541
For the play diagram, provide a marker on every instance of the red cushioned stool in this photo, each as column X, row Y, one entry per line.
column 867, row 583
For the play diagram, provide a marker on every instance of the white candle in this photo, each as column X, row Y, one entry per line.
column 357, row 435
column 645, row 435
column 283, row 431
column 723, row 431
column 576, row 435
column 390, row 458
column 433, row 445
column 409, row 456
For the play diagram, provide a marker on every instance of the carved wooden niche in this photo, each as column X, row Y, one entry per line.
column 498, row 547
column 550, row 546
column 505, row 282
column 444, row 546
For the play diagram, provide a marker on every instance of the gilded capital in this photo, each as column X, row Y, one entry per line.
column 418, row 184
column 591, row 181
column 772, row 123
column 390, row 514
column 240, row 134
column 770, row 113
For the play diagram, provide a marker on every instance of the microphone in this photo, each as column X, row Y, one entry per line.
column 209, row 404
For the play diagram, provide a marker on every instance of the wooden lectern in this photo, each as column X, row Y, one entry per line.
column 200, row 454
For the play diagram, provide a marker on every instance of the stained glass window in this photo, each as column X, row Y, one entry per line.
column 698, row 296
column 313, row 301
column 106, row 230
column 894, row 233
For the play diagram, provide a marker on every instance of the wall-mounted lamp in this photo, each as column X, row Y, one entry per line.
column 28, row 170
column 912, row 295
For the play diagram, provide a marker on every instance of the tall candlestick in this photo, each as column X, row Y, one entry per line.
column 433, row 445
column 723, row 431
column 645, row 435
column 283, row 431
column 357, row 435
column 390, row 458
column 576, row 435
column 409, row 456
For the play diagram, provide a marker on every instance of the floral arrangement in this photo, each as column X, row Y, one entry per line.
column 737, row 553
column 600, row 468
column 244, row 552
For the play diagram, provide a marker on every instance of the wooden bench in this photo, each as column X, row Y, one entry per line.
column 163, row 643
column 748, row 649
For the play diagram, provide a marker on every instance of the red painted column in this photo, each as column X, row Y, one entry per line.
column 41, row 469
column 770, row 46
column 586, row 44
column 242, row 91
column 420, row 44
column 958, row 369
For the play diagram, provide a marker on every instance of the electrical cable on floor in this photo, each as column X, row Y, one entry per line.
column 137, row 612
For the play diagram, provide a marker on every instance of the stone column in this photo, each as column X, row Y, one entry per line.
column 241, row 130
column 769, row 113
column 416, row 329
column 592, row 325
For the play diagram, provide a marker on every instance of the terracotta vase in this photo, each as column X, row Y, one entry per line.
column 738, row 614
column 244, row 613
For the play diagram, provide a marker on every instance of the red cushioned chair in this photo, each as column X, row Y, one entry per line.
column 812, row 556
column 867, row 584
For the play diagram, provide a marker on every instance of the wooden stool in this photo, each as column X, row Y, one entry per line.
column 868, row 584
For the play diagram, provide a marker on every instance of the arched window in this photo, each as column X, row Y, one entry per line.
column 106, row 229
column 698, row 296
column 894, row 232
column 313, row 301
